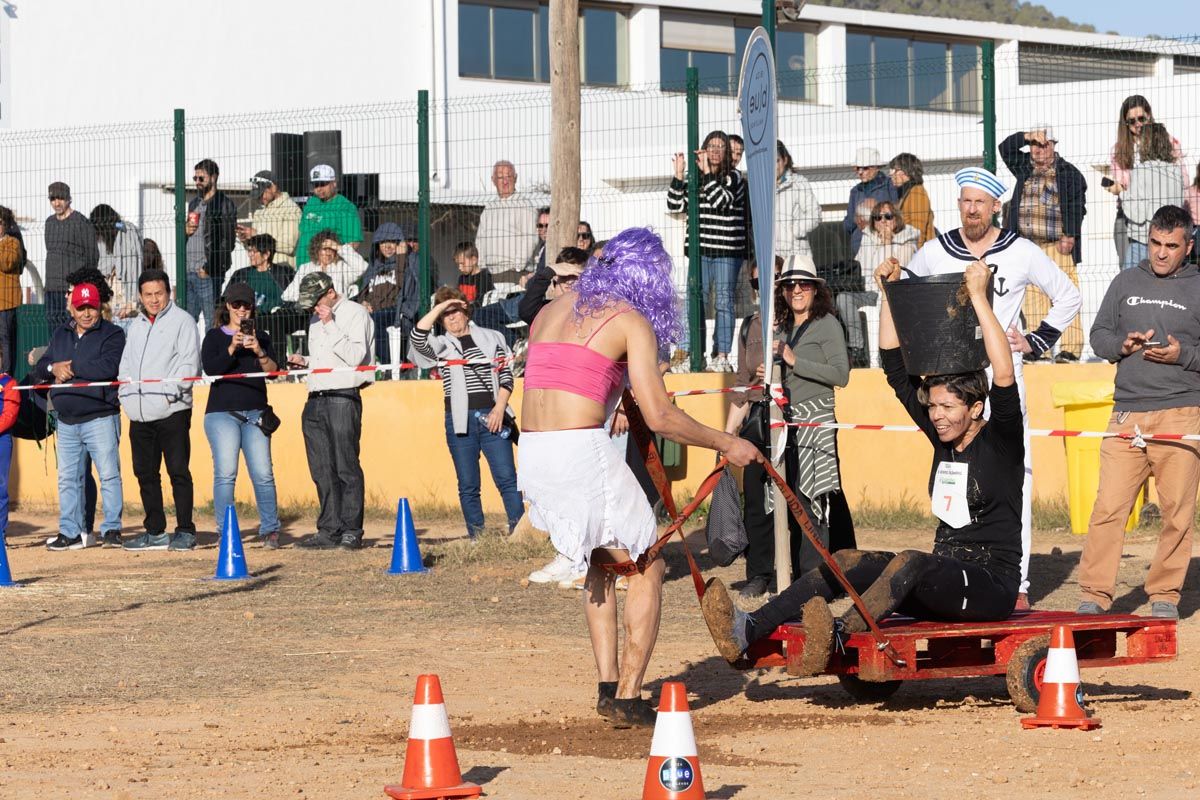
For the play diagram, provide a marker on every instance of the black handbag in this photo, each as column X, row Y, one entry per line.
column 725, row 529
column 268, row 421
column 756, row 427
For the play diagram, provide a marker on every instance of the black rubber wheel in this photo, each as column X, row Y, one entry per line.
column 868, row 691
column 1025, row 670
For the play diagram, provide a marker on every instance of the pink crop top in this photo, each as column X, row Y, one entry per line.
column 574, row 368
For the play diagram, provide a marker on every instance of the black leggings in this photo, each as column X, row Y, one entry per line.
column 921, row 585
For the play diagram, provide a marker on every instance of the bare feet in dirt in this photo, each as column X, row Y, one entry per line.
column 725, row 622
column 818, row 636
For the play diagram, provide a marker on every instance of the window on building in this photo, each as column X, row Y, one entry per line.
column 510, row 40
column 1187, row 65
column 901, row 72
column 714, row 45
column 1048, row 63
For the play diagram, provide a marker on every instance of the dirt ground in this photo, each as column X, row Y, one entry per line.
column 127, row 676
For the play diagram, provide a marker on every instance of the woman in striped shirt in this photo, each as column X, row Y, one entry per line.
column 476, row 396
column 722, row 215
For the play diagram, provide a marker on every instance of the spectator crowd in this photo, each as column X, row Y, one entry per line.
column 310, row 300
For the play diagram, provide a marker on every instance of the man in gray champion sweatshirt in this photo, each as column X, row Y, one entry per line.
column 1149, row 325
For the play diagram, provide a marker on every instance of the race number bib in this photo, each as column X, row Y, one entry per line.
column 949, row 501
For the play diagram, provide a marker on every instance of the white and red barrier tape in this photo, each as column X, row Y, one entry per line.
column 454, row 362
column 1037, row 432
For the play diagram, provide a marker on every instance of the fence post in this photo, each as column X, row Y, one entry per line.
column 694, row 285
column 769, row 20
column 180, row 214
column 425, row 280
column 988, row 57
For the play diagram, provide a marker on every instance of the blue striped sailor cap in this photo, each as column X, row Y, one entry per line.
column 980, row 178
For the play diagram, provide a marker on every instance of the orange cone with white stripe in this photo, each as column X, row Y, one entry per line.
column 430, row 763
column 1060, row 704
column 674, row 769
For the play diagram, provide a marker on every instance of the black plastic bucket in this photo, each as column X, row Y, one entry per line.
column 938, row 336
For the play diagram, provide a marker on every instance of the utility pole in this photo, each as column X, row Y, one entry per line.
column 564, row 126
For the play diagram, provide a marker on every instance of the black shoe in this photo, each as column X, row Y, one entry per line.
column 350, row 541
column 1065, row 357
column 756, row 586
column 318, row 541
column 110, row 539
column 607, row 692
column 633, row 712
column 63, row 543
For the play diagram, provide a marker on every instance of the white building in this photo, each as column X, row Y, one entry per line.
column 87, row 91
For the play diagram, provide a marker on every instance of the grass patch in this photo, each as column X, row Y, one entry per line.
column 490, row 547
column 908, row 512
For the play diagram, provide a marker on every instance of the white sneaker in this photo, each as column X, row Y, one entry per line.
column 557, row 570
column 573, row 581
column 85, row 540
column 720, row 364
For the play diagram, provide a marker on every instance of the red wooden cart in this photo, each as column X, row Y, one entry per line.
column 1015, row 648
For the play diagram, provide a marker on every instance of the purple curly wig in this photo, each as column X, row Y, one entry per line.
column 635, row 268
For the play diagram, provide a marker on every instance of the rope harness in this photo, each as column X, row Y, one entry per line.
column 645, row 444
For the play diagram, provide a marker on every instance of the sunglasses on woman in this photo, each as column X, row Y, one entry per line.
column 789, row 286
column 887, row 215
column 240, row 305
column 1141, row 119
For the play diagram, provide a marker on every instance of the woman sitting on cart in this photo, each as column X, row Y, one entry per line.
column 975, row 482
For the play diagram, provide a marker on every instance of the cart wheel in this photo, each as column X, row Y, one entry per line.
column 868, row 691
column 1025, row 670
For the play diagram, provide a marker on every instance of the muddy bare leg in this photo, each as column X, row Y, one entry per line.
column 600, row 611
column 643, row 611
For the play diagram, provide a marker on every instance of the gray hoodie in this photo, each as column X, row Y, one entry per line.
column 168, row 347
column 1139, row 300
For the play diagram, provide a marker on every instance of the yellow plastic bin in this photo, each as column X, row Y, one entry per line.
column 1087, row 406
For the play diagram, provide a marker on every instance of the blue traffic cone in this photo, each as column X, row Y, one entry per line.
column 406, row 556
column 5, row 574
column 231, row 560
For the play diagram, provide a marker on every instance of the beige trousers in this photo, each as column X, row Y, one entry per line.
column 1037, row 305
column 1123, row 469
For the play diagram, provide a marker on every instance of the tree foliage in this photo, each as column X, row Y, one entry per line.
column 1013, row 12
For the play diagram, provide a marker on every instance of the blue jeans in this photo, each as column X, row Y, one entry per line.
column 226, row 436
column 200, row 297
column 100, row 439
column 465, row 450
column 1135, row 253
column 719, row 274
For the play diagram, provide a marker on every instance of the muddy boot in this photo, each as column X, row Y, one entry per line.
column 633, row 712
column 607, row 692
column 818, row 636
column 726, row 623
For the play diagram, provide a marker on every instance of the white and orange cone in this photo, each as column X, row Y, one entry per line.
column 674, row 769
column 1060, row 704
column 430, row 763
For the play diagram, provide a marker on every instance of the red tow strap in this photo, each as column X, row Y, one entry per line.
column 645, row 443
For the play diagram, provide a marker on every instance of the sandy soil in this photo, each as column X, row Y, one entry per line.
column 127, row 676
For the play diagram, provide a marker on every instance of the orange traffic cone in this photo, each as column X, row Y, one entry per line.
column 1061, row 702
column 430, row 763
column 674, row 769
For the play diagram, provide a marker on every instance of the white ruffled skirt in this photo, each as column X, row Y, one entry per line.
column 581, row 491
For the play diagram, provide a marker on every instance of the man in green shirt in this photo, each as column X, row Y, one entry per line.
column 326, row 209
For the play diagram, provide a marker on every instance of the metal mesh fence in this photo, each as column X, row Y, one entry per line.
column 902, row 97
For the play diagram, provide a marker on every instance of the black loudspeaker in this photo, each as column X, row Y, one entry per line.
column 287, row 162
column 322, row 147
column 362, row 189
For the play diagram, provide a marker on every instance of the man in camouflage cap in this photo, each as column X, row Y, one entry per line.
column 341, row 335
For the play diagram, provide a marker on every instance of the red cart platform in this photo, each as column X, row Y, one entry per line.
column 1015, row 647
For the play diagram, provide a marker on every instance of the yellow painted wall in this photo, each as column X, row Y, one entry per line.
column 404, row 448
